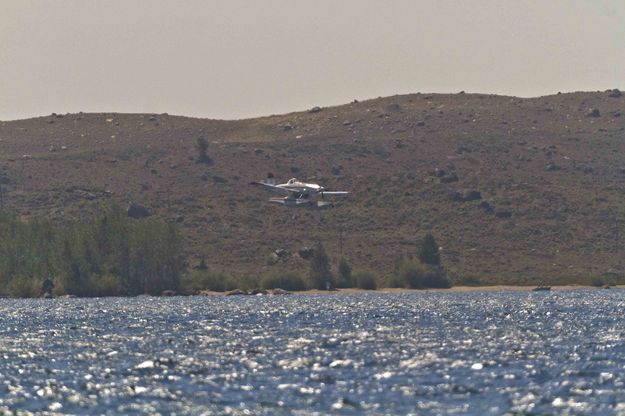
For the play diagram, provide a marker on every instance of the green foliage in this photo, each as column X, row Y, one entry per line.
column 204, row 279
column 428, row 252
column 467, row 281
column 320, row 274
column 414, row 275
column 108, row 255
column 287, row 281
column 345, row 275
column 107, row 285
column 597, row 281
column 23, row 287
column 365, row 280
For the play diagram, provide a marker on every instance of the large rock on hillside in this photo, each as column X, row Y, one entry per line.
column 466, row 195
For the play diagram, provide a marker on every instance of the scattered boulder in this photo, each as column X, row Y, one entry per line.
column 552, row 167
column 614, row 93
column 439, row 173
column 487, row 207
column 306, row 253
column 336, row 170
column 272, row 259
column 593, row 112
column 315, row 109
column 168, row 293
column 259, row 292
column 285, row 127
column 420, row 123
column 467, row 195
column 449, row 178
column 282, row 253
column 138, row 211
column 503, row 214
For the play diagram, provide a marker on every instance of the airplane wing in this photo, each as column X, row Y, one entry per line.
column 334, row 193
column 274, row 188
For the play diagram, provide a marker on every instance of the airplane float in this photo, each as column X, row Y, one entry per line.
column 299, row 194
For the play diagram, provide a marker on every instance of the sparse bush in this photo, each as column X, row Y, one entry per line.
column 365, row 280
column 24, row 287
column 202, row 149
column 415, row 275
column 345, row 275
column 287, row 281
column 467, row 281
column 107, row 285
column 247, row 283
column 435, row 277
column 204, row 279
column 597, row 281
column 320, row 274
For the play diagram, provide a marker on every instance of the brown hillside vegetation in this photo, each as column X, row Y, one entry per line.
column 549, row 174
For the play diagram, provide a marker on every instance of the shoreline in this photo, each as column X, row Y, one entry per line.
column 487, row 289
column 348, row 291
column 493, row 288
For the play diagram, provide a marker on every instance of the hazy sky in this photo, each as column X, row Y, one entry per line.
column 235, row 59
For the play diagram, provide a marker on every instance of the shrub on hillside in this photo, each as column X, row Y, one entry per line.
column 287, row 281
column 205, row 279
column 202, row 151
column 467, row 281
column 24, row 287
column 344, row 279
column 107, row 285
column 415, row 275
column 365, row 280
column 428, row 252
column 597, row 281
column 320, row 275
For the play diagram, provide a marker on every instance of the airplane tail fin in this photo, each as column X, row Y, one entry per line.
column 271, row 180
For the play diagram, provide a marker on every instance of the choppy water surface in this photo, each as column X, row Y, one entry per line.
column 376, row 353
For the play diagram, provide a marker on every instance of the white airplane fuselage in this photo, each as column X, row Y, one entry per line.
column 299, row 194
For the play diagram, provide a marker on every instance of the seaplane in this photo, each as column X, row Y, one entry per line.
column 298, row 193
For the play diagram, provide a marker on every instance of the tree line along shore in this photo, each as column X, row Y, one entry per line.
column 114, row 255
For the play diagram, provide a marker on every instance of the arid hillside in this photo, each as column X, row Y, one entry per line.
column 514, row 190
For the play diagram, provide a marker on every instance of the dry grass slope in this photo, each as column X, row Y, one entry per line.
column 550, row 173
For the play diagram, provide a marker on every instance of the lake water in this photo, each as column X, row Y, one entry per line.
column 367, row 353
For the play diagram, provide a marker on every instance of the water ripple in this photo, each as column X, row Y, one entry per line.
column 369, row 353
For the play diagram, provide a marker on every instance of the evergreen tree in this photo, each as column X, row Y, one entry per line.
column 345, row 275
column 320, row 275
column 202, row 148
column 428, row 252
